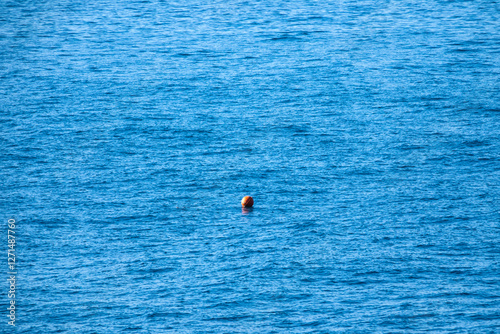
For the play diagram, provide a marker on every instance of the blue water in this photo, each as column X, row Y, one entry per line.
column 367, row 132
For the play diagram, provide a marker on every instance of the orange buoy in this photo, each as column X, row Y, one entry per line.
column 247, row 202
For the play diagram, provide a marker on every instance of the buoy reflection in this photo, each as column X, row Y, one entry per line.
column 246, row 211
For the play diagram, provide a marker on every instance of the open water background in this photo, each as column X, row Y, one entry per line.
column 368, row 133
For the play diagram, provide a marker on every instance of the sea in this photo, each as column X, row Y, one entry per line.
column 367, row 133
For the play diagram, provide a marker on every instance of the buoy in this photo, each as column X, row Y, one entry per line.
column 247, row 202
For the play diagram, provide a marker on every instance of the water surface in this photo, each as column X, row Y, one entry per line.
column 368, row 133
